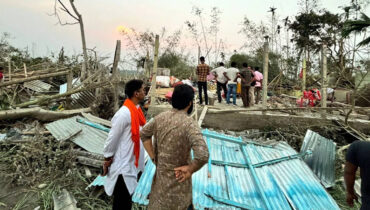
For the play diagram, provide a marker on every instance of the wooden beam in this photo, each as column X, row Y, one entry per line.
column 33, row 78
column 201, row 118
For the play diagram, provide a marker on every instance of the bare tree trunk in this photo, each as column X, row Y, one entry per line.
column 85, row 65
column 304, row 72
column 115, row 73
column 155, row 65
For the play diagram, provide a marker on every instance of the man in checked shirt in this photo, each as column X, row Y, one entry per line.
column 202, row 72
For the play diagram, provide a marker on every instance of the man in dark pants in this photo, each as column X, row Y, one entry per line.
column 221, row 80
column 358, row 155
column 247, row 76
column 123, row 150
column 202, row 72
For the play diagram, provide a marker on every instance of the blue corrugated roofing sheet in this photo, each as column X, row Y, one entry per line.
column 322, row 161
column 249, row 176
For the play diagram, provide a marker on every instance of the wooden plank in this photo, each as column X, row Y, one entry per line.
column 202, row 115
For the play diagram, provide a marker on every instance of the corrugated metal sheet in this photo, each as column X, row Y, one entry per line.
column 91, row 139
column 82, row 99
column 287, row 184
column 38, row 86
column 322, row 161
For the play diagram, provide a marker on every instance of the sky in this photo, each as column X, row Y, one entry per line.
column 30, row 24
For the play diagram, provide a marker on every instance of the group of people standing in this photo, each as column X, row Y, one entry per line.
column 227, row 80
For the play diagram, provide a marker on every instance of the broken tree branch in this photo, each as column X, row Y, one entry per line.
column 40, row 114
column 33, row 78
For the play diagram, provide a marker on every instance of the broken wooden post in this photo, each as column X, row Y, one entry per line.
column 115, row 72
column 33, row 78
column 324, row 77
column 265, row 71
column 10, row 69
column 202, row 115
column 69, row 88
column 146, row 66
column 154, row 76
column 304, row 73
column 25, row 70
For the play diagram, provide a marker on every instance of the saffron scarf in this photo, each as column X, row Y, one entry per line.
column 137, row 120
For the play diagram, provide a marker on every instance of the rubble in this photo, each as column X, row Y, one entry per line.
column 51, row 139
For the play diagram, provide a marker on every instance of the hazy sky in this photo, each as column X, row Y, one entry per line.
column 30, row 25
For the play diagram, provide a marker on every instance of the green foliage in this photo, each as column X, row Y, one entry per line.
column 357, row 26
column 257, row 60
column 313, row 29
column 178, row 65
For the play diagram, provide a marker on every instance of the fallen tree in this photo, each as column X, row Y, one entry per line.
column 4, row 84
column 39, row 113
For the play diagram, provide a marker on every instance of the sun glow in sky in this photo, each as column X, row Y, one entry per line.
column 123, row 29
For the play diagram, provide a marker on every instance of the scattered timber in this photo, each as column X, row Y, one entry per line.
column 39, row 113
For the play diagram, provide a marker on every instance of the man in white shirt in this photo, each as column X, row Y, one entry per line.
column 221, row 80
column 123, row 150
column 231, row 76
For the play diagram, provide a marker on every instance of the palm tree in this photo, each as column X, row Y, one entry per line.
column 357, row 26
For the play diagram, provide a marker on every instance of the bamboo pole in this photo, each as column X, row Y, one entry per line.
column 304, row 74
column 25, row 70
column 146, row 66
column 33, row 78
column 117, row 55
column 155, row 66
column 69, row 88
column 324, row 77
column 10, row 70
column 265, row 73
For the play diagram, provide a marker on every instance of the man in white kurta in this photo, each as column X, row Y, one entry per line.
column 120, row 146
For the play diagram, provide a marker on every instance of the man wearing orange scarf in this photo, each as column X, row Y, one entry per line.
column 123, row 150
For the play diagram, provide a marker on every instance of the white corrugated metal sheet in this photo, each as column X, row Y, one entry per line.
column 322, row 161
column 38, row 86
column 91, row 139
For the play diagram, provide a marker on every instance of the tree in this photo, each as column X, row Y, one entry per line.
column 177, row 63
column 77, row 19
column 254, row 35
column 357, row 26
column 257, row 60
